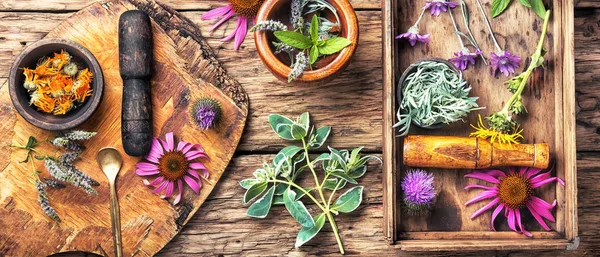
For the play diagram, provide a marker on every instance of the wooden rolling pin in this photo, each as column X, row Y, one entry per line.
column 471, row 153
column 135, row 58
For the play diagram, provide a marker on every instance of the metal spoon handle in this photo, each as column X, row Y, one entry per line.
column 116, row 220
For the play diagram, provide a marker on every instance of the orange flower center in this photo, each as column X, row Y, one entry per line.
column 514, row 191
column 173, row 165
column 248, row 8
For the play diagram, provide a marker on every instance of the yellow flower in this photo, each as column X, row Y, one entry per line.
column 481, row 131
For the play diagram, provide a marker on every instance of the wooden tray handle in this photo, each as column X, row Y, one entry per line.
column 471, row 153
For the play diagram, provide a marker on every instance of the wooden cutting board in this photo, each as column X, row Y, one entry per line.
column 185, row 69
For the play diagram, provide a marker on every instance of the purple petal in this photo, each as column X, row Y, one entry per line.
column 480, row 187
column 155, row 182
column 495, row 214
column 155, row 152
column 194, row 174
column 485, row 208
column 484, row 177
column 197, row 166
column 542, row 208
column 191, row 155
column 518, row 214
column 146, row 173
column 181, row 145
column 226, row 17
column 180, row 189
column 537, row 217
column 169, row 190
column 241, row 31
column 192, row 183
column 144, row 166
column 482, row 196
column 511, row 220
column 495, row 173
column 532, row 172
column 170, row 142
column 217, row 12
column 546, row 181
column 161, row 188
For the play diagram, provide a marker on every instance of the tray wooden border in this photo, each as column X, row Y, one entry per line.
column 564, row 44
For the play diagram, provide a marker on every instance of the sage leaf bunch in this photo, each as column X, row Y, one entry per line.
column 499, row 6
column 276, row 182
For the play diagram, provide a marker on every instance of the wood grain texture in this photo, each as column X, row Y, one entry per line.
column 148, row 222
column 548, row 98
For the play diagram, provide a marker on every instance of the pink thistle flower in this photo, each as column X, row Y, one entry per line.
column 505, row 62
column 463, row 58
column 173, row 164
column 245, row 10
column 513, row 192
column 437, row 6
column 413, row 36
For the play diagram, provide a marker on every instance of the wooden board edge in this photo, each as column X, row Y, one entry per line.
column 482, row 245
column 569, row 112
column 388, row 148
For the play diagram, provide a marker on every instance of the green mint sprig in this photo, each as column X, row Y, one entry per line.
column 313, row 43
column 499, row 6
column 276, row 182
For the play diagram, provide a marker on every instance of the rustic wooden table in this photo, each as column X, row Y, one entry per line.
column 351, row 104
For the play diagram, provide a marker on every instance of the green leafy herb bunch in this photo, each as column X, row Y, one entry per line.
column 276, row 183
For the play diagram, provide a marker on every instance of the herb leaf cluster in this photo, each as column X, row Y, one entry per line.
column 499, row 6
column 275, row 183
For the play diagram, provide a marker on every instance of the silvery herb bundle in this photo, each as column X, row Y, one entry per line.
column 61, row 168
column 275, row 183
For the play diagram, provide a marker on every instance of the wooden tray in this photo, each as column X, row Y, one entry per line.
column 185, row 69
column 549, row 98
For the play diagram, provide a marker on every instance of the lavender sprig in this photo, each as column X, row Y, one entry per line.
column 68, row 175
column 269, row 25
column 69, row 157
column 282, row 47
column 298, row 67
column 79, row 135
column 44, row 202
column 53, row 183
column 296, row 17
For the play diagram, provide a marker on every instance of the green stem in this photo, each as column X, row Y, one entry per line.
column 335, row 231
column 312, row 169
column 532, row 66
column 301, row 189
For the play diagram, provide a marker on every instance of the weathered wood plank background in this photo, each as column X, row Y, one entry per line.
column 351, row 104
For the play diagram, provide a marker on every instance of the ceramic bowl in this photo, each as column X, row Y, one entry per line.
column 29, row 59
column 412, row 68
column 327, row 67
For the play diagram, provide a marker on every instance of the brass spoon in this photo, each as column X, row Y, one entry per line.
column 110, row 162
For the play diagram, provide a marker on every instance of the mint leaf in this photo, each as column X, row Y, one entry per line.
column 349, row 201
column 254, row 191
column 334, row 45
column 498, row 6
column 525, row 3
column 314, row 54
column 314, row 29
column 538, row 7
column 297, row 209
column 281, row 125
column 261, row 207
column 294, row 39
column 307, row 233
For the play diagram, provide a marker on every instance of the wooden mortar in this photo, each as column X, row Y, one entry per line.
column 471, row 153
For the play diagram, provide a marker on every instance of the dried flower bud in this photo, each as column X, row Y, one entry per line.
column 71, row 69
column 298, row 67
column 419, row 192
column 29, row 85
column 269, row 25
column 43, row 199
column 207, row 113
column 517, row 107
column 60, row 141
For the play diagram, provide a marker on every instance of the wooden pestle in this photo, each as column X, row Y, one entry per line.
column 135, row 59
column 471, row 153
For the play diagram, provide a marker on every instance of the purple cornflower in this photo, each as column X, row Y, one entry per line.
column 437, row 6
column 418, row 190
column 463, row 57
column 505, row 62
column 207, row 113
column 413, row 36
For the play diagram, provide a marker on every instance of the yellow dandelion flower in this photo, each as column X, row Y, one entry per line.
column 481, row 131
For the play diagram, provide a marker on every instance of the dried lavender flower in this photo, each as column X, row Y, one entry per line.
column 419, row 192
column 283, row 47
column 53, row 183
column 69, row 157
column 81, row 174
column 74, row 146
column 79, row 135
column 207, row 113
column 44, row 202
column 68, row 175
column 298, row 67
column 296, row 15
column 269, row 25
column 60, row 141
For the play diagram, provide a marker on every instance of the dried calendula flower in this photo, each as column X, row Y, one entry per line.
column 57, row 85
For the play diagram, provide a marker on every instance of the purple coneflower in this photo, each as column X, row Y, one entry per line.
column 173, row 164
column 245, row 9
column 464, row 57
column 437, row 6
column 503, row 60
column 418, row 190
column 513, row 192
column 412, row 35
column 207, row 113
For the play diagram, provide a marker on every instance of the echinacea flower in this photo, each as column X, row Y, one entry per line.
column 207, row 113
column 437, row 6
column 245, row 9
column 464, row 57
column 505, row 62
column 513, row 192
column 173, row 164
column 413, row 36
column 418, row 190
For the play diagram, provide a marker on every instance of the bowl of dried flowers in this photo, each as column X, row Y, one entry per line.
column 306, row 41
column 56, row 84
